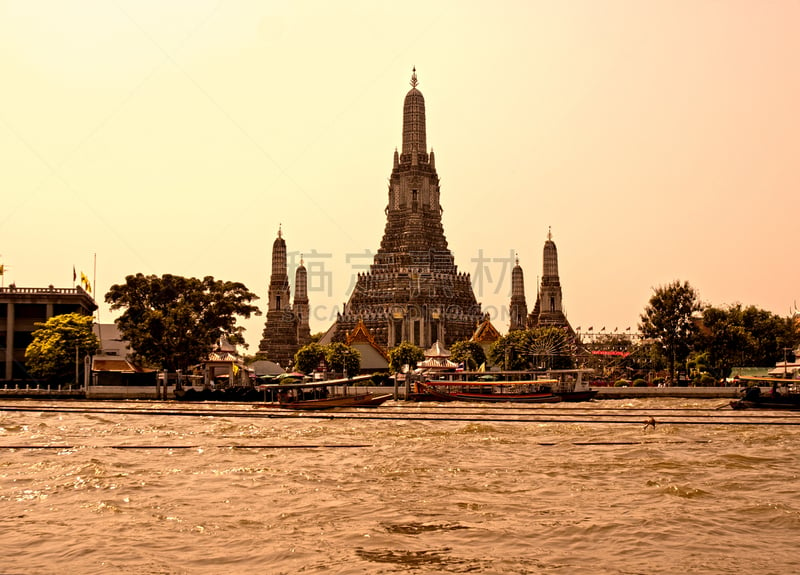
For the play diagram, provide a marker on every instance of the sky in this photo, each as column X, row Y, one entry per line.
column 658, row 140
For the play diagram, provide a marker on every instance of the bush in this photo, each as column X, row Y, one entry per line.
column 639, row 382
column 706, row 380
column 622, row 383
column 658, row 381
column 380, row 378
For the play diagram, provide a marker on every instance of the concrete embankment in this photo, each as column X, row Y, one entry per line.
column 654, row 392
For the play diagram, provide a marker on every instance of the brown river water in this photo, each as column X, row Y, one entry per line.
column 151, row 488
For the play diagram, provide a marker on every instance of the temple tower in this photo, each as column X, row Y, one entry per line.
column 279, row 338
column 518, row 310
column 548, row 310
column 301, row 308
column 413, row 291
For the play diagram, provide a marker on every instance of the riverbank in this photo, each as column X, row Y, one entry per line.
column 148, row 392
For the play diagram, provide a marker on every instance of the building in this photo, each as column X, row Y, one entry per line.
column 21, row 309
column 518, row 310
column 413, row 291
column 374, row 358
column 286, row 329
column 548, row 310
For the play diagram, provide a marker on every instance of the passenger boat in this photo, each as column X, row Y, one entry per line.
column 506, row 386
column 314, row 395
column 784, row 394
column 488, row 391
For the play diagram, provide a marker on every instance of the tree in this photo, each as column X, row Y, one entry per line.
column 308, row 357
column 342, row 358
column 512, row 351
column 745, row 336
column 52, row 353
column 405, row 354
column 173, row 322
column 667, row 319
column 469, row 352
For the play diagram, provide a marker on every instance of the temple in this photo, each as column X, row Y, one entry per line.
column 518, row 310
column 413, row 291
column 548, row 310
column 286, row 329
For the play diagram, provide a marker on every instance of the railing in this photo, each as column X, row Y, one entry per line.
column 48, row 290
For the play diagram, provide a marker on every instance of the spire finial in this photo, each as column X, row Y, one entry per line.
column 280, row 233
column 414, row 77
column 302, row 263
column 549, row 234
column 516, row 256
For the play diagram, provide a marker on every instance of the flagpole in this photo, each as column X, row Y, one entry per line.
column 94, row 280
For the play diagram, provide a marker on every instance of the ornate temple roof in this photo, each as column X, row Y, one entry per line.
column 361, row 335
column 485, row 332
column 437, row 350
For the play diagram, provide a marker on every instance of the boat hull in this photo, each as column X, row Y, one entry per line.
column 362, row 400
column 440, row 395
column 576, row 395
column 767, row 403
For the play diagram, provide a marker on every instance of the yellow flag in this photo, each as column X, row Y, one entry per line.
column 235, row 369
column 85, row 281
column 2, row 269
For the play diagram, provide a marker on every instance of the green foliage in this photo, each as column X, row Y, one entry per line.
column 468, row 352
column 342, row 358
column 174, row 322
column 51, row 354
column 622, row 383
column 639, row 382
column 512, row 351
column 667, row 320
column 308, row 357
column 744, row 336
column 705, row 380
column 405, row 354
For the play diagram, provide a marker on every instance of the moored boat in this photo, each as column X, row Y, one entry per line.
column 783, row 394
column 328, row 394
column 489, row 391
column 506, row 386
column 356, row 400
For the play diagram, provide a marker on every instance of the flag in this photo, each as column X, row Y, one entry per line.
column 235, row 369
column 460, row 367
column 2, row 269
column 591, row 328
column 74, row 275
column 85, row 282
column 482, row 367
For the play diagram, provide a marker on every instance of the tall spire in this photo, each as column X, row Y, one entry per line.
column 550, row 268
column 279, row 338
column 300, row 305
column 519, row 307
column 413, row 291
column 414, row 121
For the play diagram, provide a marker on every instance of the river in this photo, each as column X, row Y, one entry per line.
column 165, row 488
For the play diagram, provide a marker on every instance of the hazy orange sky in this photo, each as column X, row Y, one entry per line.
column 659, row 140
